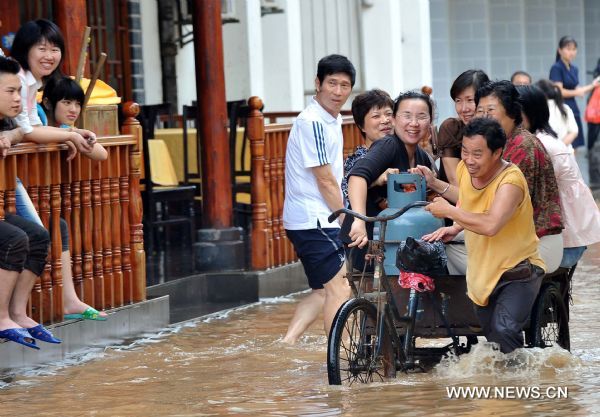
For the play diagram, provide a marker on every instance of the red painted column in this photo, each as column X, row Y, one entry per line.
column 71, row 18
column 212, row 108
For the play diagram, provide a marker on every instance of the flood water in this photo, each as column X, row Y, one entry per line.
column 233, row 364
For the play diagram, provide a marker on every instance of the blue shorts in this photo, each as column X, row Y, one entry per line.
column 321, row 253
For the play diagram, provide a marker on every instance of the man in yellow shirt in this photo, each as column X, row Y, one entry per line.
column 494, row 209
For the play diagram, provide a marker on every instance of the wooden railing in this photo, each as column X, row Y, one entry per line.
column 269, row 244
column 102, row 205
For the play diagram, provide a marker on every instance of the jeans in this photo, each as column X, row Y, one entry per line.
column 26, row 210
column 25, row 207
column 571, row 256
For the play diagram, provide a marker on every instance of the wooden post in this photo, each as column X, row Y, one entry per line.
column 56, row 247
column 256, row 135
column 212, row 115
column 131, row 126
column 71, row 18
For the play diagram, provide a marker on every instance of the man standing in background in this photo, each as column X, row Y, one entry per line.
column 313, row 175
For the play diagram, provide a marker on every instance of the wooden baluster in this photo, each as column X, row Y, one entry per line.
column 106, row 222
column 11, row 173
column 44, row 206
column 269, row 183
column 125, row 236
column 30, row 176
column 56, row 238
column 114, row 160
column 256, row 134
column 131, row 126
column 291, row 253
column 75, row 230
column 86, row 231
column 33, row 182
column 280, row 187
column 97, row 244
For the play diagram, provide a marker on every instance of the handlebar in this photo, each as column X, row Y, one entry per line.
column 369, row 219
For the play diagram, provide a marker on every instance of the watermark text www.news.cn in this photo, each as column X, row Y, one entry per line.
column 507, row 392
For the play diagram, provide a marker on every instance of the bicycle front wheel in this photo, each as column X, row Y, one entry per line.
column 356, row 351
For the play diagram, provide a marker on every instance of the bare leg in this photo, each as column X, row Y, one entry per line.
column 71, row 302
column 8, row 279
column 337, row 291
column 306, row 314
column 20, row 296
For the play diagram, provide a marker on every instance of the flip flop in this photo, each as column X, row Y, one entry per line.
column 19, row 335
column 41, row 333
column 90, row 313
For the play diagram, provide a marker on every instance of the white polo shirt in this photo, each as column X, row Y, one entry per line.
column 315, row 140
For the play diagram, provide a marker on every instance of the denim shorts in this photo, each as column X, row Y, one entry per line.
column 321, row 252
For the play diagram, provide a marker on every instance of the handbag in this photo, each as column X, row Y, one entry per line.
column 592, row 111
column 522, row 270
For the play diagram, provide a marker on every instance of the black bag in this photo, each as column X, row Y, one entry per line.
column 522, row 270
column 427, row 258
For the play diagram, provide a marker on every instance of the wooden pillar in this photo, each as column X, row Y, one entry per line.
column 71, row 18
column 212, row 115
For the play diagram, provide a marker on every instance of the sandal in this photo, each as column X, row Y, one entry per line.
column 90, row 313
column 19, row 335
column 41, row 333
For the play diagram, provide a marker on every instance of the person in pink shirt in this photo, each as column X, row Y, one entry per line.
column 581, row 216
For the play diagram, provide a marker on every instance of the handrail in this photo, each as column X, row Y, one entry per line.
column 372, row 219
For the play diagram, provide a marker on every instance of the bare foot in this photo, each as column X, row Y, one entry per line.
column 24, row 321
column 8, row 324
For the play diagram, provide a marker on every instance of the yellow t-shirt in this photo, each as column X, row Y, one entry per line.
column 488, row 257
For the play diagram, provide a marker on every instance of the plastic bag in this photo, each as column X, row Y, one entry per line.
column 592, row 111
column 418, row 282
column 427, row 258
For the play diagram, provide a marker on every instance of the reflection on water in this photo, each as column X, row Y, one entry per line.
column 233, row 363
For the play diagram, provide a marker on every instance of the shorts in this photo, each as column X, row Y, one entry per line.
column 321, row 253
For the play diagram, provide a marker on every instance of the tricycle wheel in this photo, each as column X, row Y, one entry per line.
column 353, row 351
column 549, row 319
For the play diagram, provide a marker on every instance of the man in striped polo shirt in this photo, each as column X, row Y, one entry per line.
column 313, row 175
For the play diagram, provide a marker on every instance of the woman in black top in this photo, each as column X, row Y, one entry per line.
column 367, row 183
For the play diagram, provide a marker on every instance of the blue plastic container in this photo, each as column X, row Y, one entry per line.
column 416, row 222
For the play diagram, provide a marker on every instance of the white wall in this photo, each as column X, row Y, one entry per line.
column 186, row 74
column 282, row 57
column 150, row 51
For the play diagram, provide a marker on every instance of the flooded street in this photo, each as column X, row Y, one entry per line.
column 233, row 364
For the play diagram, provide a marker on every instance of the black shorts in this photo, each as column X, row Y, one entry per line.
column 321, row 253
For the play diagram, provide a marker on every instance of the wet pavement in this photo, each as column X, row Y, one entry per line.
column 232, row 363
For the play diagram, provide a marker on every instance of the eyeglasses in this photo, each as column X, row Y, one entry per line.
column 420, row 118
column 489, row 112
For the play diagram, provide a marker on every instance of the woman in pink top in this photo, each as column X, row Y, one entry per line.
column 581, row 216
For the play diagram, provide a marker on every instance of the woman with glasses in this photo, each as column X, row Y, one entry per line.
column 413, row 113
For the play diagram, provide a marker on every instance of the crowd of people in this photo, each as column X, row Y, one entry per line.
column 34, row 64
column 515, row 203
